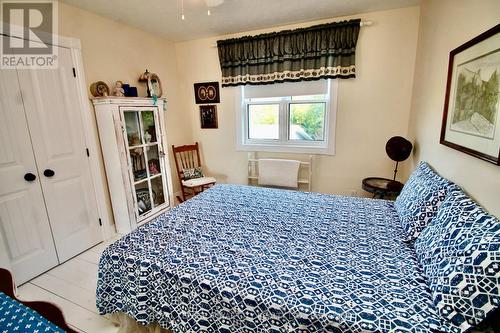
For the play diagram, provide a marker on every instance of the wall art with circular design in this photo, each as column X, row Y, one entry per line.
column 206, row 93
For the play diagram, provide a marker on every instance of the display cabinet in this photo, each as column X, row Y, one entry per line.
column 134, row 146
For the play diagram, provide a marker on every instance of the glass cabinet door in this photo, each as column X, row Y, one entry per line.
column 145, row 157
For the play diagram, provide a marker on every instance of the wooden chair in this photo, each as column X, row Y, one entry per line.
column 47, row 310
column 188, row 157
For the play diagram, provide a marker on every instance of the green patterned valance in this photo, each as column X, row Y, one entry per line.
column 313, row 53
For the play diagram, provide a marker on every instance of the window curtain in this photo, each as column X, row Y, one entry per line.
column 313, row 53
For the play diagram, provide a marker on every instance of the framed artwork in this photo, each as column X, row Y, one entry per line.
column 207, row 92
column 471, row 114
column 208, row 116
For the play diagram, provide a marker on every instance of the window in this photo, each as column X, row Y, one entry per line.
column 288, row 117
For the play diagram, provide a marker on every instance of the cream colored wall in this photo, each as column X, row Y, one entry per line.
column 113, row 51
column 444, row 25
column 371, row 108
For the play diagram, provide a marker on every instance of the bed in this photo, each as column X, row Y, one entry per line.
column 247, row 259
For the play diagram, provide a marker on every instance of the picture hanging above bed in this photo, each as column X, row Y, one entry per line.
column 471, row 115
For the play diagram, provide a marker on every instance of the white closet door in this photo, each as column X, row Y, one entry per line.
column 24, row 227
column 56, row 128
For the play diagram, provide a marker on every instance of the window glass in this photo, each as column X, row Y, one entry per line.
column 133, row 128
column 263, row 121
column 157, row 189
column 143, row 197
column 138, row 163
column 148, row 124
column 296, row 117
column 307, row 121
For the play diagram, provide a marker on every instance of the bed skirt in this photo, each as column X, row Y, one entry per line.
column 128, row 324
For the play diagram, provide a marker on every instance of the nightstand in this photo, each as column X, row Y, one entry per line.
column 382, row 187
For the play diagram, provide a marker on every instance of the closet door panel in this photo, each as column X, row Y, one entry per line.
column 24, row 227
column 56, row 127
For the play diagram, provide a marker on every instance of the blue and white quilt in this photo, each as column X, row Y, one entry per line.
column 248, row 259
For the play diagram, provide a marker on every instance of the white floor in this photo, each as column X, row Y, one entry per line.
column 72, row 287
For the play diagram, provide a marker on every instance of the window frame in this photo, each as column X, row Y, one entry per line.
column 283, row 143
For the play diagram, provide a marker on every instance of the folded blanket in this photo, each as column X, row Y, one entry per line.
column 277, row 172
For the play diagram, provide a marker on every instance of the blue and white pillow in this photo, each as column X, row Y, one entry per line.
column 420, row 199
column 460, row 255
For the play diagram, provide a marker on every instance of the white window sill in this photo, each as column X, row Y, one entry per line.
column 296, row 149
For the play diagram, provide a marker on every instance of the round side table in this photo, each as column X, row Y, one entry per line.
column 382, row 187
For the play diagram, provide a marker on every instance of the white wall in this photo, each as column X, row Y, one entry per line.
column 371, row 108
column 444, row 25
column 114, row 51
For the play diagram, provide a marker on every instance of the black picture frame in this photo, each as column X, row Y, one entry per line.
column 207, row 92
column 208, row 116
column 450, row 110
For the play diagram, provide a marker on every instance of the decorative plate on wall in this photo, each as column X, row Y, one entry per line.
column 207, row 92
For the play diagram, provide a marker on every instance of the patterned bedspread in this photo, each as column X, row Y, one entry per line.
column 247, row 259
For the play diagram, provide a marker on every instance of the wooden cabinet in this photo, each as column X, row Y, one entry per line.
column 134, row 147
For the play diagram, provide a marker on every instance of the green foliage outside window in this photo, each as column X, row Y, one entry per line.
column 307, row 120
column 310, row 117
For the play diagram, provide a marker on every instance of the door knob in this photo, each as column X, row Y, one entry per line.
column 29, row 177
column 48, row 173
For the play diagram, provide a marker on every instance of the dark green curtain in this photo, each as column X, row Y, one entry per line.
column 313, row 53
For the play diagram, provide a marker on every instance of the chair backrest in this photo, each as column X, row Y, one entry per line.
column 186, row 157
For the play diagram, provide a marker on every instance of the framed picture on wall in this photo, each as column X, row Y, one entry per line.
column 208, row 116
column 207, row 92
column 471, row 117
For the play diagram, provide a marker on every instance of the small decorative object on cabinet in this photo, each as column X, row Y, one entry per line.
column 133, row 141
column 119, row 91
column 153, row 84
column 99, row 89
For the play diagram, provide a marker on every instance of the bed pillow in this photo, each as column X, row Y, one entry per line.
column 460, row 256
column 420, row 199
column 192, row 173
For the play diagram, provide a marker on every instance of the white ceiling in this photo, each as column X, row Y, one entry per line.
column 163, row 17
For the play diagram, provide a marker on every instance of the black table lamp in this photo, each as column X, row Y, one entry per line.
column 398, row 149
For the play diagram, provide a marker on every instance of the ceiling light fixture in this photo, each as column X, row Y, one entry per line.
column 212, row 4
column 209, row 3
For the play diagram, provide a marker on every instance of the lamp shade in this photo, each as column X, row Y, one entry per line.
column 398, row 148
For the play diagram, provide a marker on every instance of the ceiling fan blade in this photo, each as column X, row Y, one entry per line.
column 214, row 3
